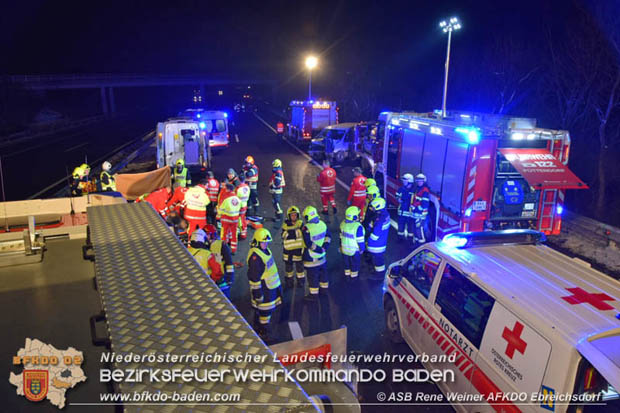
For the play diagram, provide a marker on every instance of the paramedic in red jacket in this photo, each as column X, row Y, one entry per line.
column 357, row 193
column 327, row 183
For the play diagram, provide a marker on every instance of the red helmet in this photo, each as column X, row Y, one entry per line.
column 249, row 159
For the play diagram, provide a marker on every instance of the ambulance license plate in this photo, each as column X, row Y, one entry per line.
column 479, row 206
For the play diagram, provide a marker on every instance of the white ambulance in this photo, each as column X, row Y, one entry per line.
column 532, row 330
column 182, row 138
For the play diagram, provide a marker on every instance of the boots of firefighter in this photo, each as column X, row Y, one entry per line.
column 289, row 281
column 311, row 297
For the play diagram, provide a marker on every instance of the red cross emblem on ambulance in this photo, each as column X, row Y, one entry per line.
column 513, row 337
column 596, row 300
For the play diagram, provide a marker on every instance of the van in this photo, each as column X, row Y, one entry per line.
column 213, row 122
column 517, row 317
column 181, row 138
column 345, row 140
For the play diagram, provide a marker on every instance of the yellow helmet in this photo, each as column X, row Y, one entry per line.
column 292, row 210
column 262, row 235
column 276, row 163
column 180, row 162
column 377, row 204
column 352, row 213
column 372, row 192
column 370, row 182
column 310, row 213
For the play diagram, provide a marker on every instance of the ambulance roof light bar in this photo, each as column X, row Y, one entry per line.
column 489, row 238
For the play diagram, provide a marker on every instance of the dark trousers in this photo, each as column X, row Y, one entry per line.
column 405, row 223
column 253, row 201
column 211, row 213
column 351, row 265
column 317, row 277
column 378, row 261
column 275, row 198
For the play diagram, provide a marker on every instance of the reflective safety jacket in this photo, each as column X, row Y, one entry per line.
column 264, row 279
column 213, row 189
column 380, row 227
column 196, row 201
column 277, row 183
column 182, row 178
column 420, row 200
column 229, row 209
column 251, row 176
column 223, row 256
column 206, row 259
column 292, row 239
column 243, row 193
column 403, row 196
column 351, row 238
column 108, row 182
column 358, row 189
column 327, row 181
column 316, row 238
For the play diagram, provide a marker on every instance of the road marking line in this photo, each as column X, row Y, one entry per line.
column 315, row 163
column 76, row 146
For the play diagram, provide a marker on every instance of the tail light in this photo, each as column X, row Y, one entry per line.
column 592, row 379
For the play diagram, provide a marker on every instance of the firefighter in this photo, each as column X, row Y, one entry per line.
column 372, row 192
column 351, row 242
column 108, row 181
column 200, row 251
column 316, row 238
column 264, row 280
column 250, row 170
column 243, row 193
column 158, row 200
column 327, row 183
column 223, row 257
column 403, row 196
column 81, row 180
column 420, row 200
column 181, row 175
column 357, row 193
column 228, row 214
column 213, row 189
column 377, row 241
column 293, row 243
column 370, row 182
column 195, row 208
column 276, row 187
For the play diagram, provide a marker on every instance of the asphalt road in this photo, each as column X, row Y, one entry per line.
column 358, row 306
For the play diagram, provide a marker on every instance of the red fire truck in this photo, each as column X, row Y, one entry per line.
column 309, row 117
column 484, row 171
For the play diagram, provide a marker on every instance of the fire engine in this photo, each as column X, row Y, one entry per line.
column 484, row 171
column 309, row 117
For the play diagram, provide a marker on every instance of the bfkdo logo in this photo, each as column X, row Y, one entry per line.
column 36, row 384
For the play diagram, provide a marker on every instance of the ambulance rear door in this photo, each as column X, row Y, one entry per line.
column 173, row 143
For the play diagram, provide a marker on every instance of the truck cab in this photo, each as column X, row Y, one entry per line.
column 182, row 138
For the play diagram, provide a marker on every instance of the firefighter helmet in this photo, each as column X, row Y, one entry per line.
column 310, row 213
column 292, row 210
column 370, row 182
column 408, row 178
column 249, row 159
column 420, row 177
column 352, row 213
column 377, row 204
column 106, row 166
column 180, row 162
column 373, row 192
column 199, row 236
column 276, row 163
column 262, row 235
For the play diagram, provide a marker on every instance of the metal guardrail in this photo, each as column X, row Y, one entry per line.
column 48, row 129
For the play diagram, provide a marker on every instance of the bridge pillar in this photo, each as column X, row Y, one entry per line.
column 104, row 101
column 111, row 101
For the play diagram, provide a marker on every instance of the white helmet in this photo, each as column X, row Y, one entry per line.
column 106, row 166
column 420, row 177
column 199, row 236
column 407, row 178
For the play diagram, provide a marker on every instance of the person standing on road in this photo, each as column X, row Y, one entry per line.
column 280, row 129
column 243, row 193
column 264, row 281
column 420, row 200
column 327, row 184
column 213, row 189
column 316, row 238
column 195, row 213
column 231, row 178
column 228, row 214
column 293, row 244
column 372, row 192
column 276, row 187
column 250, row 170
column 403, row 197
column 377, row 241
column 351, row 243
column 357, row 193
column 181, row 175
column 108, row 181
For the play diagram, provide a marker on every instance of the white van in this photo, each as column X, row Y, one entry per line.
column 522, row 319
column 215, row 124
column 182, row 139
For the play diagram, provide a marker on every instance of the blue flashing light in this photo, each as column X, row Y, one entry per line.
column 472, row 135
column 225, row 114
column 559, row 210
column 198, row 115
column 468, row 212
column 202, row 125
column 454, row 241
column 385, row 112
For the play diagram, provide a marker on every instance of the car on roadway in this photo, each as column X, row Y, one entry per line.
column 345, row 140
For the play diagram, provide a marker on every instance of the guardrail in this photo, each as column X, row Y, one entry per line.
column 598, row 233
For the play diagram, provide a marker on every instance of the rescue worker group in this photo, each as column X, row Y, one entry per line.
column 211, row 217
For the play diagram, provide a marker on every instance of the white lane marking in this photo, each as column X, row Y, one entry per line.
column 76, row 146
column 315, row 163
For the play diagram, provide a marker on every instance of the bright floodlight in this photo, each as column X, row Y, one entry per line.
column 311, row 62
column 450, row 25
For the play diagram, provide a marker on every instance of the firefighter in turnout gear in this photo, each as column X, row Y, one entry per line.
column 420, row 200
column 327, row 184
column 228, row 214
column 264, row 280
column 276, row 187
column 377, row 241
column 200, row 251
column 108, row 181
column 243, row 193
column 223, row 257
column 195, row 212
column 250, row 170
column 351, row 242
column 293, row 244
column 213, row 189
column 372, row 192
column 357, row 193
column 180, row 175
column 405, row 219
column 80, row 180
column 316, row 238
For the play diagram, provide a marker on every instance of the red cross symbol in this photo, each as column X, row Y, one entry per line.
column 595, row 300
column 515, row 342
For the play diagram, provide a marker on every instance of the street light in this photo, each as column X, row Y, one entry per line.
column 448, row 27
column 311, row 62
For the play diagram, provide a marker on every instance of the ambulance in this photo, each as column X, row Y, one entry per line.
column 214, row 123
column 485, row 172
column 182, row 138
column 528, row 328
column 308, row 117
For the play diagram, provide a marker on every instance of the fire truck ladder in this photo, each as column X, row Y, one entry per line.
column 547, row 212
